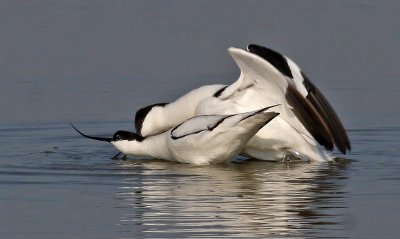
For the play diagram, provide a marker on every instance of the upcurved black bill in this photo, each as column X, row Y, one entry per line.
column 92, row 137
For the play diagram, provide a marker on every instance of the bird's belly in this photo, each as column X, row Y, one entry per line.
column 206, row 151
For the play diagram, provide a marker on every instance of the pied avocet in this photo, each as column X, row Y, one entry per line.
column 199, row 140
column 307, row 121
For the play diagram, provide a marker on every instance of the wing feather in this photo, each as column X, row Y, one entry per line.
column 196, row 125
column 307, row 103
column 321, row 104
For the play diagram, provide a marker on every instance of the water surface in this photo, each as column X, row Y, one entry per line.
column 53, row 181
column 95, row 63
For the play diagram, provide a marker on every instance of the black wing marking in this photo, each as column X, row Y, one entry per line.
column 262, row 110
column 313, row 111
column 182, row 136
column 328, row 115
column 209, row 127
column 273, row 57
column 219, row 92
column 197, row 125
column 309, row 117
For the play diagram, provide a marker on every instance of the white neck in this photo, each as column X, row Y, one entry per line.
column 161, row 119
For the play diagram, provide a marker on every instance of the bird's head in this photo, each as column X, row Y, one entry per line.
column 146, row 119
column 121, row 139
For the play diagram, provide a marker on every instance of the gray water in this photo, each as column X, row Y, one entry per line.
column 96, row 63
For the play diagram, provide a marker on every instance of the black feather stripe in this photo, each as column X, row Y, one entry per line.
column 218, row 123
column 328, row 114
column 211, row 128
column 259, row 111
column 310, row 117
column 182, row 136
column 273, row 57
column 219, row 92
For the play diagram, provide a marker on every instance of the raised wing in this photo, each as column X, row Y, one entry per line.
column 328, row 115
column 305, row 100
column 260, row 84
column 257, row 75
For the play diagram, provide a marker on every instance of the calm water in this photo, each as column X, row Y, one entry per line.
column 57, row 184
column 95, row 63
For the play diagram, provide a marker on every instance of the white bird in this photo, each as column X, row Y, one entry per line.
column 200, row 140
column 307, row 121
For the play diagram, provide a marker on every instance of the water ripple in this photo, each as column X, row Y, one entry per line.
column 236, row 201
column 147, row 198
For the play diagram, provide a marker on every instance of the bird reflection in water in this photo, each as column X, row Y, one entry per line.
column 252, row 199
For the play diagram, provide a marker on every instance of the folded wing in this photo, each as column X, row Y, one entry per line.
column 197, row 125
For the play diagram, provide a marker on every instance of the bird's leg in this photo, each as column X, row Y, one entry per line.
column 286, row 158
column 116, row 156
column 292, row 156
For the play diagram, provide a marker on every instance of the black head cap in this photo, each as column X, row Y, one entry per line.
column 141, row 115
column 126, row 135
column 119, row 135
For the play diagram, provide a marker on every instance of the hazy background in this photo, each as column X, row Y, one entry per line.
column 103, row 60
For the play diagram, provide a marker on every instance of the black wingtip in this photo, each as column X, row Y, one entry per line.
column 91, row 137
column 273, row 57
column 267, row 108
column 328, row 114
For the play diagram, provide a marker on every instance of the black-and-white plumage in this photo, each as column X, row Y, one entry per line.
column 307, row 102
column 164, row 116
column 307, row 121
column 200, row 140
